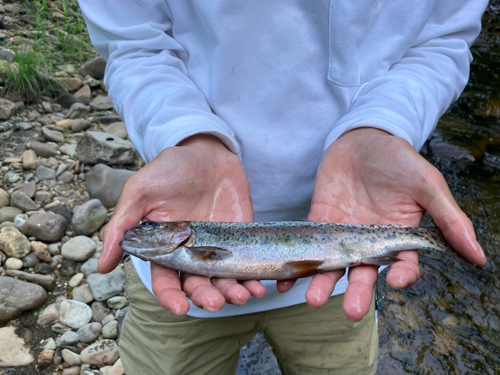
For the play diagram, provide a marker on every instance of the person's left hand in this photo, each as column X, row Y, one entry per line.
column 368, row 176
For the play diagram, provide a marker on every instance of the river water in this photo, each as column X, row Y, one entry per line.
column 448, row 322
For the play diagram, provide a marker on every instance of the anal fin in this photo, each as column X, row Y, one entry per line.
column 303, row 268
column 208, row 253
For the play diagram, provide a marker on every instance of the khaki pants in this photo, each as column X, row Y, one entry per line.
column 305, row 341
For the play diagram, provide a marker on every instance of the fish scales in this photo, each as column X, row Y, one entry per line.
column 274, row 250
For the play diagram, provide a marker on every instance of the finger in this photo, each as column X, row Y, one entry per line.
column 202, row 293
column 455, row 225
column 321, row 287
column 233, row 292
column 359, row 293
column 404, row 273
column 285, row 285
column 255, row 287
column 167, row 288
column 128, row 212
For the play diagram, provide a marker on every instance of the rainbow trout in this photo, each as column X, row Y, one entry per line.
column 274, row 250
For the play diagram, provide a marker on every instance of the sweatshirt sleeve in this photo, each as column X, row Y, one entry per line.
column 408, row 100
column 146, row 80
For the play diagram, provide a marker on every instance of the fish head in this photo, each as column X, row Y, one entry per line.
column 150, row 238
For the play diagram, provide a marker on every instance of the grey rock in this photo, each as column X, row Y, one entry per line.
column 4, row 198
column 74, row 314
column 17, row 296
column 6, row 54
column 107, row 285
column 49, row 343
column 81, row 125
column 41, row 250
column 29, row 188
column 52, row 135
column 30, row 260
column 45, row 173
column 107, row 319
column 24, row 125
column 89, row 267
column 118, row 129
column 79, row 248
column 68, row 338
column 71, row 358
column 21, row 200
column 89, row 332
column 63, row 211
column 7, row 109
column 66, row 177
column 44, row 120
column 99, row 311
column 13, row 264
column 12, row 176
column 47, row 282
column 106, row 183
column 45, row 226
column 43, row 149
column 6, row 135
column 100, row 147
column 89, row 217
column 107, row 119
column 68, row 149
column 55, row 248
column 101, row 103
column 43, row 268
column 83, row 294
column 78, row 110
column 117, row 302
column 66, row 100
column 56, row 261
column 9, row 213
column 94, row 68
column 76, row 280
column 19, row 221
column 110, row 330
column 14, row 243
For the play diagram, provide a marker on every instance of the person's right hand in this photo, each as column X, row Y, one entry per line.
column 199, row 180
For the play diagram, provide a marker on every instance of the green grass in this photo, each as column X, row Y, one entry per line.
column 63, row 38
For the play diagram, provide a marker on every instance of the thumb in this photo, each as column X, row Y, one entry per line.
column 455, row 225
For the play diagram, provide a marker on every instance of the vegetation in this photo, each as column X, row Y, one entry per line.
column 56, row 35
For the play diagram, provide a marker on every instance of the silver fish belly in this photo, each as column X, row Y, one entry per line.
column 274, row 250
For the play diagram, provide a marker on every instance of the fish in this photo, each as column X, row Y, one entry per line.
column 275, row 250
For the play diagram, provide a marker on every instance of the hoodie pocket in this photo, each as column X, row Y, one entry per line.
column 368, row 36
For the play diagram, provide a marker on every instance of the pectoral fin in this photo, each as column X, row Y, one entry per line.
column 208, row 253
column 303, row 268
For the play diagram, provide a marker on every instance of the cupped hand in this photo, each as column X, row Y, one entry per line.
column 198, row 180
column 368, row 176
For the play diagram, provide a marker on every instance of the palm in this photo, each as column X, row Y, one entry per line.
column 370, row 177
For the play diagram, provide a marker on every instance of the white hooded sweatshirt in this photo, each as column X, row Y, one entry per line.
column 278, row 81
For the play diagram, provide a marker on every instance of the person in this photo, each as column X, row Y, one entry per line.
column 282, row 110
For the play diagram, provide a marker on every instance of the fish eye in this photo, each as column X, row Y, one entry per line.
column 150, row 225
